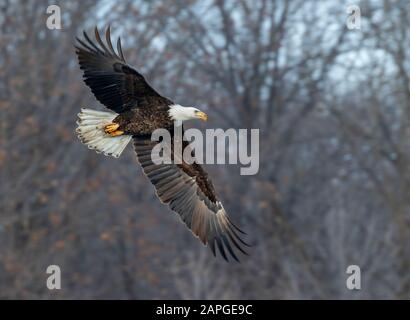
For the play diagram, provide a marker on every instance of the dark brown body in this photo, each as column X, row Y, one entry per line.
column 149, row 115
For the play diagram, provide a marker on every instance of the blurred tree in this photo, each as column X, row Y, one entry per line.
column 332, row 106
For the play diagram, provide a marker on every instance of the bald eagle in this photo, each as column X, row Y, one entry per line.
column 138, row 110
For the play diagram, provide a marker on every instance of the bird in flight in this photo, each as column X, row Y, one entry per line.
column 136, row 111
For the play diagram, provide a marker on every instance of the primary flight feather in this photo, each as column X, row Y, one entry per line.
column 137, row 111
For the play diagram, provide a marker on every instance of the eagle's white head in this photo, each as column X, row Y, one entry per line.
column 180, row 113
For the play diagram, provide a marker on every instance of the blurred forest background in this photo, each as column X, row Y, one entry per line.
column 333, row 108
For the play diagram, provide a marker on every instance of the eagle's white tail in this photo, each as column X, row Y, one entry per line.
column 90, row 130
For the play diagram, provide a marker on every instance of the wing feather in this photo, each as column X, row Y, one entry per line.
column 188, row 192
column 112, row 81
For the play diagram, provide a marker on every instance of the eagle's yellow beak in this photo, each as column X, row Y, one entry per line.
column 202, row 115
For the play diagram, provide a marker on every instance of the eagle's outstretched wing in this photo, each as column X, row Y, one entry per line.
column 188, row 191
column 113, row 82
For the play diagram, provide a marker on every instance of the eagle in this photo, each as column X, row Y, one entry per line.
column 136, row 110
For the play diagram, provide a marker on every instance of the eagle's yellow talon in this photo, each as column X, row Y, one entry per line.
column 110, row 128
column 116, row 133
